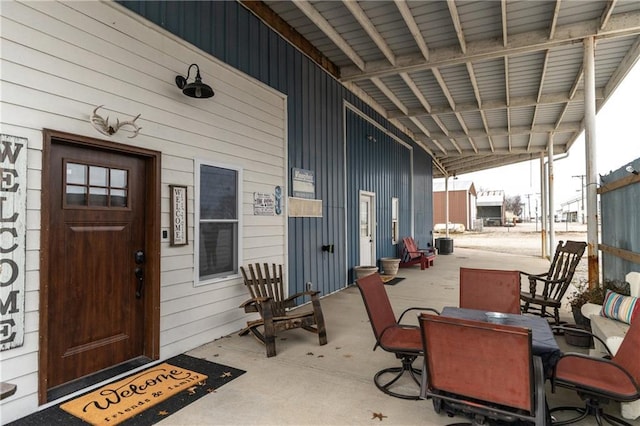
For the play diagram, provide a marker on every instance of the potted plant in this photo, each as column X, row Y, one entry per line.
column 585, row 294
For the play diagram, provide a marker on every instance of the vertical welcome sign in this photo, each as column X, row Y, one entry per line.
column 13, row 211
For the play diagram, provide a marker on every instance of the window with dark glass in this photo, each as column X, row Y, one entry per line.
column 218, row 222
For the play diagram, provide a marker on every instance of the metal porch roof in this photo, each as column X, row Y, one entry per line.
column 478, row 84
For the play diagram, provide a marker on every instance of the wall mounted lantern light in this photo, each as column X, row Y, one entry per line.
column 197, row 89
column 630, row 169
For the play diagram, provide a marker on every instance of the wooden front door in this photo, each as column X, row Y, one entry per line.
column 97, row 285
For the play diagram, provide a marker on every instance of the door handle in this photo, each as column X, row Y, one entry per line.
column 140, row 287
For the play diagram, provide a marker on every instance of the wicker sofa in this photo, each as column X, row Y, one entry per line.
column 612, row 332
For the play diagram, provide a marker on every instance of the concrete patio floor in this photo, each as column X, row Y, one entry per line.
column 308, row 384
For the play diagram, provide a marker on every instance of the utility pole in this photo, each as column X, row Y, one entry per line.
column 581, row 195
column 529, row 206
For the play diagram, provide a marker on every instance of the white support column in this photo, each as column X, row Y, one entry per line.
column 590, row 156
column 446, row 206
column 543, row 206
column 552, row 206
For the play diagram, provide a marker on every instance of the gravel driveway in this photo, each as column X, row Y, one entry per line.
column 524, row 238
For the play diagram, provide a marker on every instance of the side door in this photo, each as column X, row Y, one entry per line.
column 367, row 229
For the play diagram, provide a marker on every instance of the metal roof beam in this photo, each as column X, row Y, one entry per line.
column 618, row 75
column 413, row 27
column 476, row 91
column 574, row 126
column 516, row 102
column 389, row 94
column 620, row 25
column 540, row 86
column 368, row 26
column 507, row 97
column 452, row 103
column 572, row 96
column 329, row 31
column 554, row 20
column 504, row 161
column 503, row 12
column 453, row 11
column 416, row 92
column 606, row 14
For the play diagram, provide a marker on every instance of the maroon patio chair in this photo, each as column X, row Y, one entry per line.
column 482, row 370
column 490, row 290
column 404, row 341
column 599, row 380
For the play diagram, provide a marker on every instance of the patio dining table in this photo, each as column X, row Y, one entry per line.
column 543, row 342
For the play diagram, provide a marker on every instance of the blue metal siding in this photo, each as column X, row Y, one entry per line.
column 423, row 199
column 620, row 224
column 229, row 32
column 376, row 163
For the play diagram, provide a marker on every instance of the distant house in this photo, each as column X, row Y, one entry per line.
column 462, row 202
column 491, row 207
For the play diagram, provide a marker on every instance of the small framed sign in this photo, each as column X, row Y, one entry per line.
column 303, row 183
column 178, row 215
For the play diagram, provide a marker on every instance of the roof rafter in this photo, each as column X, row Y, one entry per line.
column 330, row 32
column 568, row 127
column 488, row 163
column 621, row 25
column 453, row 11
column 554, row 20
column 516, row 102
column 368, row 26
column 507, row 97
column 606, row 14
column 413, row 27
column 540, row 86
column 389, row 94
column 503, row 12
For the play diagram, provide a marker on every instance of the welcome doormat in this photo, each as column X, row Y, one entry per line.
column 143, row 398
column 393, row 280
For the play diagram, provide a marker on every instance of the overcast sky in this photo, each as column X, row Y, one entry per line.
column 618, row 143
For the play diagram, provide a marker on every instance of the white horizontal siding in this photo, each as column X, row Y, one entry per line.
column 61, row 60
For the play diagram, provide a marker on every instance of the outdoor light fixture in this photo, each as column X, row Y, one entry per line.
column 197, row 89
column 630, row 169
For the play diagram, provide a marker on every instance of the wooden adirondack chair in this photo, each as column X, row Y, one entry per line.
column 269, row 300
column 412, row 255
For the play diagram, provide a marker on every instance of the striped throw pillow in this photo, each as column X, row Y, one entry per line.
column 619, row 307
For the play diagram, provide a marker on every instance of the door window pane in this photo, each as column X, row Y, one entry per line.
column 98, row 176
column 76, row 195
column 95, row 186
column 118, row 198
column 395, row 225
column 364, row 219
column 76, row 173
column 98, row 197
column 118, row 178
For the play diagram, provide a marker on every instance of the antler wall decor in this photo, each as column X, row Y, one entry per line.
column 102, row 124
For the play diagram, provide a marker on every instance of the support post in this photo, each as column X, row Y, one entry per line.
column 590, row 157
column 446, row 206
column 552, row 207
column 543, row 206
